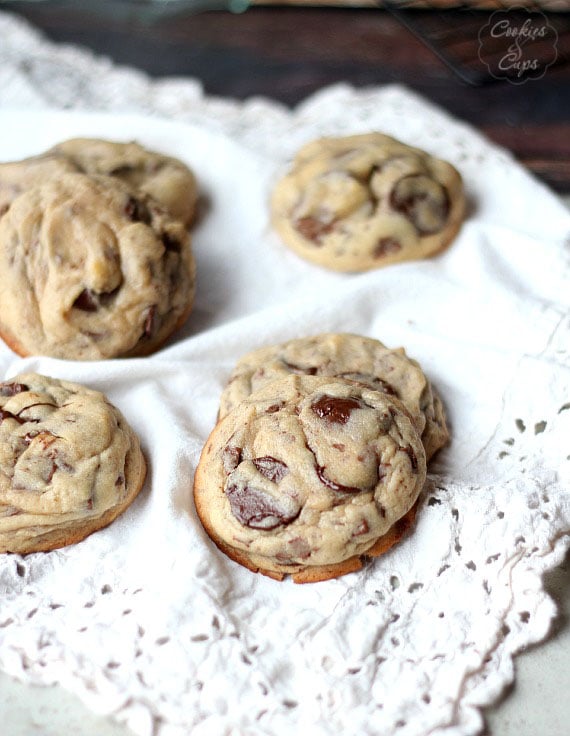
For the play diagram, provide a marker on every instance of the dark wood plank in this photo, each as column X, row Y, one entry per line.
column 287, row 52
column 544, row 149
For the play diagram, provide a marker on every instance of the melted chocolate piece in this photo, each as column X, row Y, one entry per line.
column 313, row 229
column 231, row 458
column 270, row 468
column 51, row 473
column 335, row 409
column 137, row 211
column 335, row 486
column 386, row 246
column 258, row 510
column 11, row 389
column 423, row 201
column 274, row 408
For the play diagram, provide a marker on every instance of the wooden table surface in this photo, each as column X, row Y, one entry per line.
column 286, row 53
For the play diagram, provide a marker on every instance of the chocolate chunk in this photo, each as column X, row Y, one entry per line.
column 137, row 211
column 51, row 472
column 385, row 246
column 335, row 409
column 11, row 389
column 335, row 486
column 256, row 509
column 274, row 408
column 270, row 468
column 231, row 458
column 313, row 229
column 423, row 200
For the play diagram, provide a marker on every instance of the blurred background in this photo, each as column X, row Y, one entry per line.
column 457, row 55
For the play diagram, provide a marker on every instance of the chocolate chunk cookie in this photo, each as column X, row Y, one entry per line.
column 91, row 269
column 351, row 357
column 365, row 201
column 167, row 180
column 309, row 474
column 69, row 463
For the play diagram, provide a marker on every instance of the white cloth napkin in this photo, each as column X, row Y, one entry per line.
column 146, row 620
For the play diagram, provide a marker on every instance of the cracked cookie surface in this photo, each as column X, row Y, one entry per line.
column 69, row 463
column 92, row 269
column 365, row 201
column 356, row 358
column 307, row 475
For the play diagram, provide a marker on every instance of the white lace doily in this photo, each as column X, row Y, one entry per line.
column 146, row 620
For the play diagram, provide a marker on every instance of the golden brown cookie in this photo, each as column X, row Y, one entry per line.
column 308, row 475
column 92, row 269
column 366, row 201
column 69, row 463
column 352, row 357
